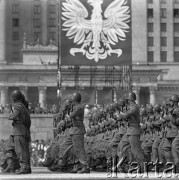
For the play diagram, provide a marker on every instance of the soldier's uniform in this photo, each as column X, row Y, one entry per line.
column 156, row 130
column 21, row 132
column 175, row 143
column 76, row 137
column 131, row 140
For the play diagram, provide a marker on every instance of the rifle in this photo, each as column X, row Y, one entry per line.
column 11, row 108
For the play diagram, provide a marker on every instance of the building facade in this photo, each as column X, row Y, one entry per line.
column 28, row 54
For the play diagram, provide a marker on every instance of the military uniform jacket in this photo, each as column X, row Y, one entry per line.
column 77, row 117
column 172, row 128
column 133, row 117
column 21, row 119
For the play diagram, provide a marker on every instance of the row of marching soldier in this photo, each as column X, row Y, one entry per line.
column 119, row 132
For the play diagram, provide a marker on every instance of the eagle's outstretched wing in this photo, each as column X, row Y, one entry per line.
column 77, row 26
column 115, row 26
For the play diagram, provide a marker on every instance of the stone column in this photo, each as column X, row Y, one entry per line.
column 152, row 95
column 114, row 95
column 24, row 91
column 139, row 38
column 2, row 30
column 136, row 90
column 96, row 96
column 157, row 31
column 42, row 96
column 170, row 33
column 4, row 95
column 44, row 22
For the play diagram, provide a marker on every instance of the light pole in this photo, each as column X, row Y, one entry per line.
column 59, row 78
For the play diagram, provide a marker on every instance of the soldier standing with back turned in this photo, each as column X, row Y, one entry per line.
column 21, row 131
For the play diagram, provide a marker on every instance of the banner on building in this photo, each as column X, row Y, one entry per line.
column 96, row 32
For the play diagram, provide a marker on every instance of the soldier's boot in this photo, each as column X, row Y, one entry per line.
column 85, row 169
column 48, row 162
column 76, row 168
column 4, row 164
column 57, row 165
column 10, row 166
column 24, row 169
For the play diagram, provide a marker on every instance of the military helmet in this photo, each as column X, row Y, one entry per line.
column 176, row 111
column 131, row 96
column 143, row 112
column 150, row 109
column 77, row 97
column 157, row 108
column 121, row 102
column 61, row 124
column 16, row 95
column 174, row 98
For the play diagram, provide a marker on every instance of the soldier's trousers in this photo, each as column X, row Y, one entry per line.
column 160, row 151
column 21, row 146
column 155, row 146
column 112, row 147
column 131, row 142
column 175, row 150
column 167, row 149
column 147, row 149
column 76, row 142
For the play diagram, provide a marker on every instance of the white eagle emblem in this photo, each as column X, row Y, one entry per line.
column 96, row 34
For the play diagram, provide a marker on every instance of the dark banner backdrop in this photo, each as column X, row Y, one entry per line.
column 79, row 58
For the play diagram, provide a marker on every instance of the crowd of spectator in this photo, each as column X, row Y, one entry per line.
column 33, row 110
column 38, row 151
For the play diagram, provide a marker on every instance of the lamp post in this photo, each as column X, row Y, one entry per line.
column 59, row 78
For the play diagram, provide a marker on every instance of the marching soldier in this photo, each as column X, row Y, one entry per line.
column 131, row 140
column 175, row 143
column 171, row 129
column 76, row 137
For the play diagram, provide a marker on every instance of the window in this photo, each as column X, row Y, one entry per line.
column 150, row 13
column 163, row 56
column 176, row 41
column 176, row 1
column 36, row 36
column 37, row 9
column 176, row 56
column 163, row 1
column 52, row 9
column 176, row 27
column 163, row 13
column 176, row 13
column 150, row 1
column 15, row 36
column 36, row 22
column 15, row 8
column 52, row 35
column 150, row 57
column 52, row 22
column 163, row 27
column 163, row 41
column 150, row 27
column 15, row 22
column 15, row 56
column 150, row 41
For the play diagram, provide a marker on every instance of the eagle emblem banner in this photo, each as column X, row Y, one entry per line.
column 96, row 32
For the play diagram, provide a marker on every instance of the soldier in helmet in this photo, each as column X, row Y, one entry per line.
column 171, row 129
column 146, row 136
column 21, row 131
column 76, row 137
column 175, row 143
column 131, row 140
column 111, row 151
column 156, row 130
